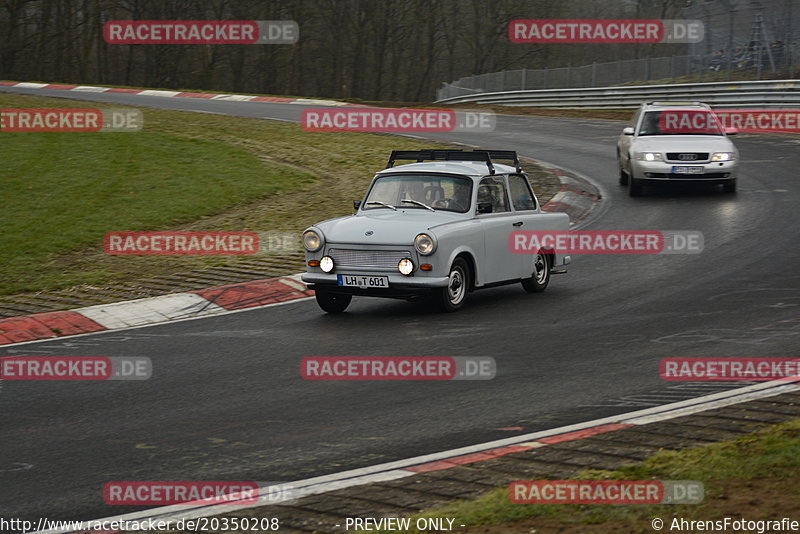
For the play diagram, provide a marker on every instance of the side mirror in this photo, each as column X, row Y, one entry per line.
column 356, row 204
column 484, row 207
column 627, row 130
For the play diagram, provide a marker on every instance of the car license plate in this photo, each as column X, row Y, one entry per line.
column 357, row 280
column 687, row 170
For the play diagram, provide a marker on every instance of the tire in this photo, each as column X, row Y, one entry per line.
column 333, row 302
column 729, row 187
column 452, row 297
column 634, row 187
column 623, row 176
column 538, row 282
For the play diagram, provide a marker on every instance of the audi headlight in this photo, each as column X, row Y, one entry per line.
column 312, row 241
column 406, row 266
column 326, row 264
column 650, row 156
column 723, row 156
column 425, row 244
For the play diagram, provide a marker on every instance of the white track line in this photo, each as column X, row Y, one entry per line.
column 394, row 470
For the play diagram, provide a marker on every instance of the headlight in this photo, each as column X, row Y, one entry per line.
column 326, row 264
column 650, row 156
column 723, row 156
column 424, row 244
column 406, row 266
column 312, row 241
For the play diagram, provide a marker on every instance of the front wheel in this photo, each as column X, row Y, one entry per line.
column 623, row 176
column 452, row 297
column 729, row 187
column 538, row 282
column 332, row 302
column 635, row 187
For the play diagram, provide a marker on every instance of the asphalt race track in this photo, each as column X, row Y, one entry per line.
column 226, row 401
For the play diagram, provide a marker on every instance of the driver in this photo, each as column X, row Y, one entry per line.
column 461, row 196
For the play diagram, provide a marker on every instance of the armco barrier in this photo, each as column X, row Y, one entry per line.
column 759, row 94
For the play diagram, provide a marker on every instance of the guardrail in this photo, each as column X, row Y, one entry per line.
column 755, row 94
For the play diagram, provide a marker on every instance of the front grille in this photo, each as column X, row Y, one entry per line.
column 377, row 259
column 693, row 156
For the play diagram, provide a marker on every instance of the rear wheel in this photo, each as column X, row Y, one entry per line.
column 453, row 296
column 332, row 302
column 538, row 282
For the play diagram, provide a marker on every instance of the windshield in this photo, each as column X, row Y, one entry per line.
column 420, row 191
column 680, row 122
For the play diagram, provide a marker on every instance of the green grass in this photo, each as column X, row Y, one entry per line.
column 61, row 192
column 772, row 455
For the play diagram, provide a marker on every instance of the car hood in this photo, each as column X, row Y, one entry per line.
column 683, row 143
column 387, row 227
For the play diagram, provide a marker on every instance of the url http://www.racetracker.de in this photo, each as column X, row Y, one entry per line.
column 201, row 524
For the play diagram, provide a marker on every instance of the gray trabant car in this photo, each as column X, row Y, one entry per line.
column 438, row 227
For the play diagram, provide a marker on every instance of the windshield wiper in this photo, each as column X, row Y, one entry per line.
column 417, row 202
column 381, row 203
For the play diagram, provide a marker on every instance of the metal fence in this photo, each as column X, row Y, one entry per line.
column 713, row 67
column 775, row 94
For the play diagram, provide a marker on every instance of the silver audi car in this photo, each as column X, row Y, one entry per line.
column 676, row 142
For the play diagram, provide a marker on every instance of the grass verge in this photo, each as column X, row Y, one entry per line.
column 184, row 171
column 754, row 477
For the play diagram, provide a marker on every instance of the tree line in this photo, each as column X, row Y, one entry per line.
column 394, row 50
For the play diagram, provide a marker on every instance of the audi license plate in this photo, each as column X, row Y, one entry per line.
column 357, row 280
column 687, row 170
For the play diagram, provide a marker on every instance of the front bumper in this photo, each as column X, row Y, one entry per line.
column 661, row 171
column 395, row 280
column 399, row 286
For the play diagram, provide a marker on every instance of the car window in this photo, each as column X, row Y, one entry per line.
column 493, row 190
column 635, row 119
column 679, row 122
column 447, row 193
column 521, row 193
column 650, row 124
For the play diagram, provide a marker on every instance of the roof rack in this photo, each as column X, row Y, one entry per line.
column 455, row 155
column 675, row 103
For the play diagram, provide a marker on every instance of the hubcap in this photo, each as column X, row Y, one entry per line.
column 541, row 268
column 455, row 288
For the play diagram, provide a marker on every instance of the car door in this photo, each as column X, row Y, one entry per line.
column 500, row 263
column 624, row 142
column 526, row 211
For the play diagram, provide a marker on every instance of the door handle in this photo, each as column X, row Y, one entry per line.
column 519, row 223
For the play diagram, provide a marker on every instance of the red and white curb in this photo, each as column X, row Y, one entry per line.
column 179, row 94
column 154, row 310
column 469, row 455
column 578, row 196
